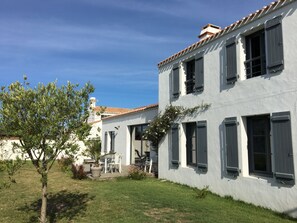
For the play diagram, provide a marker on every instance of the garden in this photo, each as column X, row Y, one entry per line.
column 119, row 199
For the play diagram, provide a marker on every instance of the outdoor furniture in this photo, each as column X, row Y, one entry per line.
column 148, row 165
column 115, row 163
column 87, row 165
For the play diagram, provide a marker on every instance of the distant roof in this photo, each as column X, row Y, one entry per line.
column 135, row 110
column 245, row 20
column 111, row 110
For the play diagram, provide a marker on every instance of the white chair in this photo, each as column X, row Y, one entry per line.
column 115, row 163
column 148, row 164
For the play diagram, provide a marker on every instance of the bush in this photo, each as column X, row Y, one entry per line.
column 135, row 173
column 202, row 193
column 78, row 172
column 12, row 167
column 65, row 163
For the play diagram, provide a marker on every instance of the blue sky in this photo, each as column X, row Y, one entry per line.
column 114, row 44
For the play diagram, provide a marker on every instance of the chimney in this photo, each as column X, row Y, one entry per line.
column 92, row 102
column 208, row 31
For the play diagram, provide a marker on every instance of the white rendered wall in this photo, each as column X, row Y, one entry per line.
column 120, row 125
column 260, row 95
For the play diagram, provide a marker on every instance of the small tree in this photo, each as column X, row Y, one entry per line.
column 48, row 120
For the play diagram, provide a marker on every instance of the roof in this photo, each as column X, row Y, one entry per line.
column 135, row 110
column 111, row 110
column 245, row 20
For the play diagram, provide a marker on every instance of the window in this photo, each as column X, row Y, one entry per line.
column 255, row 63
column 195, row 74
column 190, row 77
column 259, row 144
column 261, row 131
column 264, row 52
column 191, row 143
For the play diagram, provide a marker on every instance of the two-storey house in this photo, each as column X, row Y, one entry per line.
column 245, row 144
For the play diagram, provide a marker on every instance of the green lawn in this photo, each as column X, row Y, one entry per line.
column 120, row 200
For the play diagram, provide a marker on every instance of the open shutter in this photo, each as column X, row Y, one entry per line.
column 201, row 138
column 175, row 81
column 175, row 145
column 274, row 41
column 231, row 60
column 112, row 141
column 231, row 145
column 105, row 142
column 199, row 72
column 282, row 144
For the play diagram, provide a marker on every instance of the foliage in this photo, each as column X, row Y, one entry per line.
column 47, row 119
column 12, row 167
column 136, row 173
column 78, row 172
column 202, row 193
column 93, row 149
column 159, row 127
column 65, row 163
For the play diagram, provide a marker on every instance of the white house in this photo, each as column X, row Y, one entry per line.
column 245, row 144
column 97, row 113
column 123, row 133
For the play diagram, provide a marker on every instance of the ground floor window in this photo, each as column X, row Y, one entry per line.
column 259, row 148
column 191, row 144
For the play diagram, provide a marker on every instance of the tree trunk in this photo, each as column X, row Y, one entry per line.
column 44, row 198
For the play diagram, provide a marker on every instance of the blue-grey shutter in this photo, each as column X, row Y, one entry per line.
column 105, row 142
column 199, row 72
column 112, row 141
column 175, row 145
column 231, row 60
column 274, row 45
column 231, row 145
column 283, row 149
column 201, row 138
column 175, row 81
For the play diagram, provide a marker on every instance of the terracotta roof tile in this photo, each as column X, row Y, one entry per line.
column 266, row 9
column 135, row 110
column 111, row 110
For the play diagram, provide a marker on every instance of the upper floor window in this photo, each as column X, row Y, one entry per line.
column 264, row 52
column 190, row 77
column 255, row 63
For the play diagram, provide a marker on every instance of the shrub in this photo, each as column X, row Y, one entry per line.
column 65, row 163
column 12, row 167
column 78, row 172
column 135, row 173
column 202, row 193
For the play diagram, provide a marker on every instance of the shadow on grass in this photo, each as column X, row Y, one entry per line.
column 63, row 204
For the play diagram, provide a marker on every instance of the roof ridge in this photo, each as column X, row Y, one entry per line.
column 257, row 14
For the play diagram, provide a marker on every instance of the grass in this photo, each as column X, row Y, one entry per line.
column 120, row 200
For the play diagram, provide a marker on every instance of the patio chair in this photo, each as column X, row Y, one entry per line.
column 115, row 163
column 148, row 165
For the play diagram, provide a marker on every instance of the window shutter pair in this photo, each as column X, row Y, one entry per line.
column 175, row 81
column 231, row 60
column 201, row 142
column 231, row 145
column 282, row 144
column 175, row 145
column 283, row 149
column 199, row 72
column 274, row 45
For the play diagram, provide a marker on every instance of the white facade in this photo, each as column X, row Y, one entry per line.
column 119, row 127
column 265, row 94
